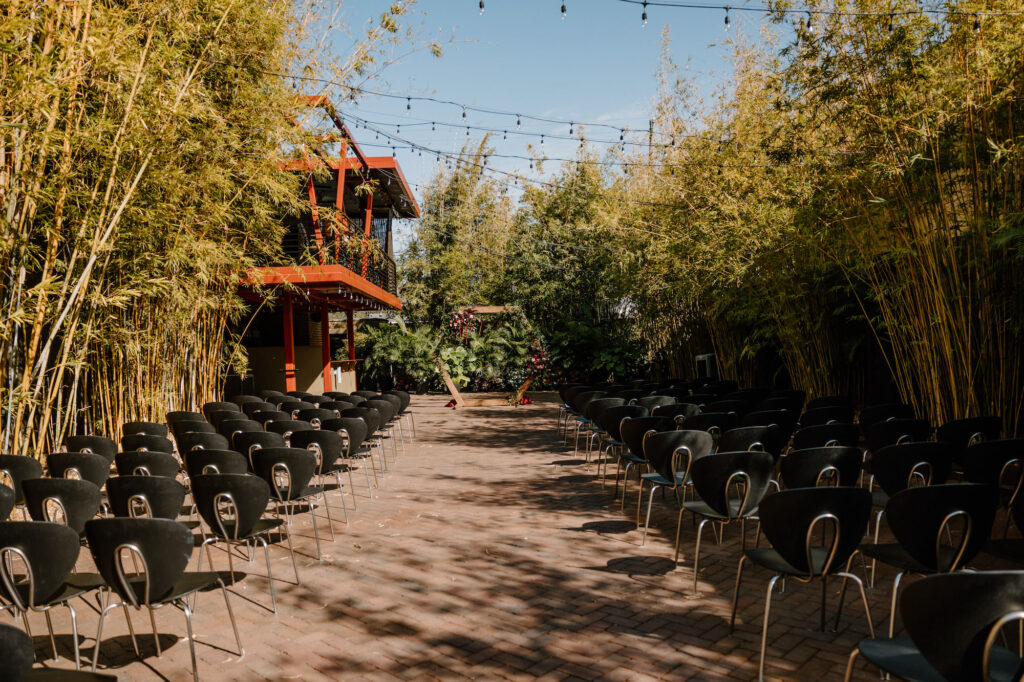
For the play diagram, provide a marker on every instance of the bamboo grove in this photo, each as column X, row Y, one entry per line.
column 847, row 213
column 138, row 179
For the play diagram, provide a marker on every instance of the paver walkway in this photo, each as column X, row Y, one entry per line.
column 491, row 553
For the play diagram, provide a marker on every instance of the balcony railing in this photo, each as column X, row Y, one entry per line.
column 349, row 248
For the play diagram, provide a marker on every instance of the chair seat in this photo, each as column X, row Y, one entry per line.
column 894, row 555
column 773, row 561
column 76, row 584
column 879, row 498
column 630, row 457
column 308, row 491
column 701, row 508
column 901, row 658
column 186, row 585
column 658, row 479
column 260, row 527
column 1012, row 550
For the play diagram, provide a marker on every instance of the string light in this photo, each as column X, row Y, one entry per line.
column 481, row 7
column 643, row 17
column 408, row 100
column 727, row 18
column 563, row 11
column 977, row 23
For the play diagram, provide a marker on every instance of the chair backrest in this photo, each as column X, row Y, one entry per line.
column 293, row 407
column 678, row 411
column 924, row 519
column 35, row 560
column 846, row 435
column 653, row 401
column 962, row 433
column 269, row 393
column 385, row 408
column 671, row 453
column 8, row 499
column 84, row 465
column 335, row 395
column 287, row 470
column 200, row 462
column 62, row 500
column 369, row 415
column 403, row 396
column 141, row 559
column 317, row 416
column 150, row 443
column 951, row 617
column 327, row 446
column 353, row 429
column 369, row 395
column 241, row 400
column 218, row 406
column 146, row 464
column 873, row 414
column 842, row 414
column 764, row 438
column 737, row 407
column 784, row 400
column 713, row 422
column 739, row 476
column 996, row 463
column 181, row 428
column 896, row 431
column 249, row 409
column 230, row 504
column 144, row 428
column 286, row 429
column 301, row 395
column 785, row 420
column 829, row 401
column 229, row 427
column 99, row 445
column 898, row 467
column 17, row 468
column 217, row 416
column 346, row 401
column 17, row 653
column 268, row 416
column 633, row 429
column 628, row 394
column 790, row 519
column 751, row 396
column 611, row 419
column 176, row 416
column 395, row 401
column 145, row 496
column 202, row 441
column 582, row 399
column 317, row 400
column 821, row 466
column 566, row 390
column 596, row 408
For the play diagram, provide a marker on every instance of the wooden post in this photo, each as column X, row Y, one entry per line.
column 289, row 345
column 450, row 384
column 350, row 329
column 325, row 345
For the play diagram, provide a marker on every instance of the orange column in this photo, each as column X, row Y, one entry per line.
column 351, row 333
column 325, row 345
column 289, row 345
column 367, row 220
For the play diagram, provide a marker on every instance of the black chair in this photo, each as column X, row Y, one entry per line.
column 84, row 465
column 17, row 653
column 334, row 395
column 999, row 464
column 678, row 411
column 149, row 443
column 594, row 413
column 353, row 431
column 243, row 400
column 270, row 416
column 611, row 420
column 229, row 427
column 630, row 395
column 579, row 406
column 318, row 399
column 182, row 428
column 356, row 400
column 763, row 438
column 269, row 394
column 729, row 487
column 783, row 420
column 669, row 454
column 45, row 553
column 633, row 431
column 653, row 401
column 176, row 416
column 737, row 407
column 369, row 395
column 249, row 409
column 372, row 418
column 247, row 443
column 232, row 506
column 404, row 411
column 65, row 501
column 963, row 433
column 387, row 411
column 98, row 445
column 157, row 497
column 896, row 432
column 144, row 561
column 286, row 429
column 288, row 472
column 938, row 529
column 874, row 414
column 202, row 441
column 790, row 521
column 814, row 467
column 211, row 408
column 317, row 415
column 302, row 395
column 293, row 407
column 7, row 500
column 144, row 429
column 565, row 410
column 15, row 469
column 142, row 463
column 836, row 414
column 826, row 435
column 829, row 401
column 952, row 622
column 201, row 462
column 714, row 423
column 327, row 446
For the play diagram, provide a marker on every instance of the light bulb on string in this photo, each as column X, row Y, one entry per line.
column 892, row 16
column 810, row 25
column 977, row 23
column 481, row 7
column 504, row 134
column 643, row 17
column 518, row 121
column 727, row 18
column 563, row 11
column 467, row 131
column 542, row 140
column 463, row 112
column 408, row 103
column 431, row 126
column 570, row 128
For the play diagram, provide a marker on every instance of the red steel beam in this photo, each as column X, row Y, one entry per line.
column 289, row 345
column 325, row 345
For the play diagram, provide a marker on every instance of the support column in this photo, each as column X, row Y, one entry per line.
column 350, row 330
column 367, row 222
column 289, row 344
column 325, row 346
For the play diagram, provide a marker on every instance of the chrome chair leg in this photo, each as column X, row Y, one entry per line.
column 764, row 627
column 736, row 592
column 650, row 503
column 849, row 664
column 696, row 552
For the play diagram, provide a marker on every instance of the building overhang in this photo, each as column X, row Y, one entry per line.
column 333, row 285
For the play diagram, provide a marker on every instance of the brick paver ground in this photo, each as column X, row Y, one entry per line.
column 491, row 552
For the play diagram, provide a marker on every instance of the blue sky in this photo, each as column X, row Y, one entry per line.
column 596, row 65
